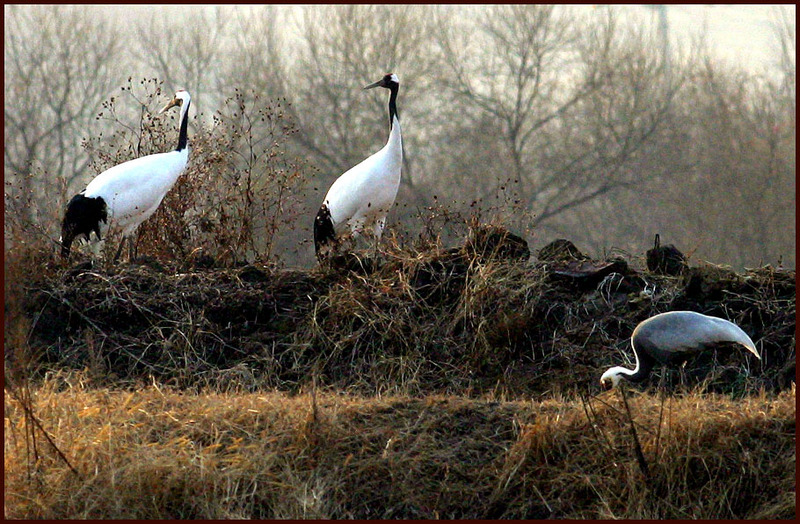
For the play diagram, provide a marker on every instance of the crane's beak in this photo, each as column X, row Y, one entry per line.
column 174, row 102
column 379, row 83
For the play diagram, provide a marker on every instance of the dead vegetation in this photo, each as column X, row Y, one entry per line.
column 425, row 383
column 158, row 452
column 464, row 321
column 431, row 381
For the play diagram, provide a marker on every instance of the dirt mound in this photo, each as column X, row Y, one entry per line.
column 468, row 320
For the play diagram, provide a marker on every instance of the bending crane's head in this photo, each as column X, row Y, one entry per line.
column 387, row 81
column 181, row 97
column 611, row 378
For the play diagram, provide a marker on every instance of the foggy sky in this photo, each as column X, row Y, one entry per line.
column 737, row 34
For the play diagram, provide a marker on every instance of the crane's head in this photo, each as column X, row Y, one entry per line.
column 610, row 379
column 389, row 80
column 181, row 98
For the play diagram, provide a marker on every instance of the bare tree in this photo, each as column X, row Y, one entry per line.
column 536, row 110
column 60, row 63
column 736, row 198
column 786, row 37
column 573, row 102
column 723, row 181
column 507, row 66
column 344, row 48
column 186, row 51
column 256, row 56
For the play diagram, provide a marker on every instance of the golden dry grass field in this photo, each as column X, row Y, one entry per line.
column 161, row 453
column 433, row 384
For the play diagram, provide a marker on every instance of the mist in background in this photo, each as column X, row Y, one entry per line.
column 603, row 125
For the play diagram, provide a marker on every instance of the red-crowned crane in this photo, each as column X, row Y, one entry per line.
column 125, row 195
column 365, row 193
column 671, row 338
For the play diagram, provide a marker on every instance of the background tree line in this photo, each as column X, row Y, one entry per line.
column 557, row 122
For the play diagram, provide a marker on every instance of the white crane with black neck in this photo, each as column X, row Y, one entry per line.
column 364, row 194
column 125, row 195
column 671, row 338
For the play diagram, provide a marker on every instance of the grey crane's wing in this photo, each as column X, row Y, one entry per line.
column 673, row 337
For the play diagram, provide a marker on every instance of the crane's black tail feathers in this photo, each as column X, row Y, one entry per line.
column 324, row 233
column 83, row 216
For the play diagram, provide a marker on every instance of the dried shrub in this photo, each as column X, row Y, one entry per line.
column 239, row 190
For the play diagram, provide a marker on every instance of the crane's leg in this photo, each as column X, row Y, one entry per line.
column 637, row 447
column 380, row 223
column 133, row 246
column 357, row 224
column 663, row 378
column 663, row 395
column 682, row 372
column 119, row 251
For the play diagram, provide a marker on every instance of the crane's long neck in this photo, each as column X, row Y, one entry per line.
column 183, row 138
column 395, row 140
column 393, row 104
column 643, row 366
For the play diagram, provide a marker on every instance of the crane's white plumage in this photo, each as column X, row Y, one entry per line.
column 365, row 193
column 125, row 195
column 671, row 338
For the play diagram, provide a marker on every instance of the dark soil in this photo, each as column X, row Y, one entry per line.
column 471, row 320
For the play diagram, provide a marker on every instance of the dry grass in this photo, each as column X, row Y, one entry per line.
column 421, row 321
column 399, row 390
column 426, row 383
column 162, row 453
